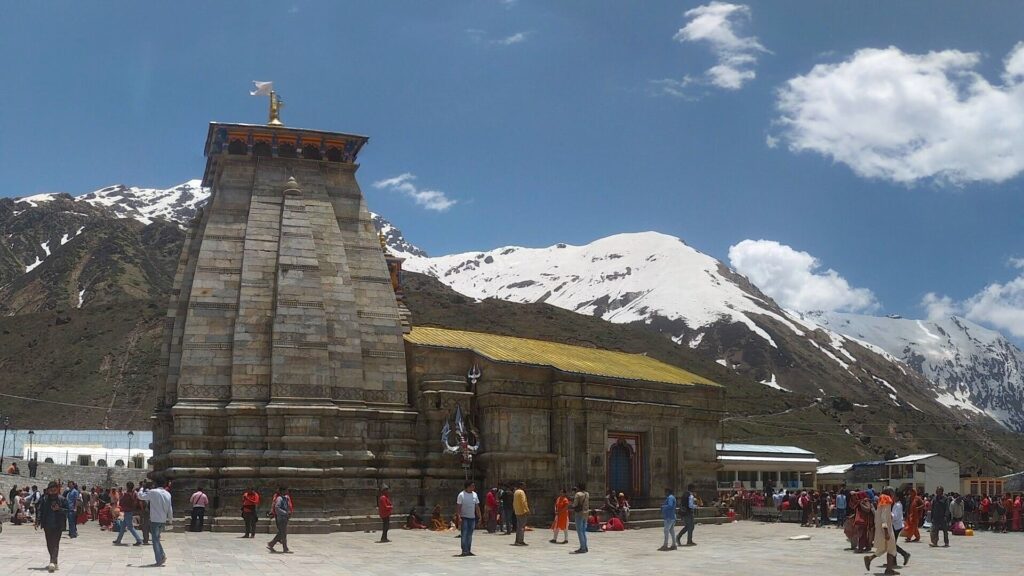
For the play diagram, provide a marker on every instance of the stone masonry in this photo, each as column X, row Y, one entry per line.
column 283, row 345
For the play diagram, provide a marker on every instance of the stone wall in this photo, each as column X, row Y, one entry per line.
column 552, row 429
column 83, row 475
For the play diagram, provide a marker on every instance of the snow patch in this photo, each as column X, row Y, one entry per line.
column 33, row 265
column 773, row 383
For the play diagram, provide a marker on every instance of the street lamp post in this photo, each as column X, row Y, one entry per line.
column 3, row 447
column 130, row 435
column 31, row 453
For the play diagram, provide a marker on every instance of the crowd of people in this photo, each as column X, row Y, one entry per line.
column 872, row 521
column 818, row 508
column 64, row 506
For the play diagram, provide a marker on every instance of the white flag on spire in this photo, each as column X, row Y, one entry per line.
column 262, row 88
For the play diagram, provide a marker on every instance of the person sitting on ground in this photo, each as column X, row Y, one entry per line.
column 105, row 516
column 593, row 522
column 414, row 522
column 437, row 522
column 614, row 524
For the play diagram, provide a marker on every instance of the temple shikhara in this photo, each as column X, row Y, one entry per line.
column 291, row 359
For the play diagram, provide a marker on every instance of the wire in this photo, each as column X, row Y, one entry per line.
column 104, row 408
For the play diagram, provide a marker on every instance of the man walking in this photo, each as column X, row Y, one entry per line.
column 129, row 505
column 199, row 501
column 940, row 518
column 885, row 540
column 281, row 510
column 250, row 502
column 580, row 506
column 74, row 498
column 508, row 517
column 160, row 515
column 522, row 509
column 467, row 507
column 689, row 513
column 33, row 465
column 668, row 516
column 384, row 508
column 52, row 517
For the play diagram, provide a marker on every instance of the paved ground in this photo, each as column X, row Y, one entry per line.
column 740, row 548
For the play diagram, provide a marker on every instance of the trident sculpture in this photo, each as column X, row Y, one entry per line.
column 467, row 440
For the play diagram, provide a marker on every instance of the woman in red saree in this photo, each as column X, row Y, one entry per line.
column 915, row 510
column 863, row 523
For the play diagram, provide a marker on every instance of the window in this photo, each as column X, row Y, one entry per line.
column 287, row 150
column 311, row 152
column 83, row 460
column 920, row 467
column 334, row 154
column 237, row 146
column 261, row 149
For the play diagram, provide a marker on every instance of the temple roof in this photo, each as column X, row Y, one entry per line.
column 562, row 357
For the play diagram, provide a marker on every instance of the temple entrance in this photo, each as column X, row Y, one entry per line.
column 625, row 464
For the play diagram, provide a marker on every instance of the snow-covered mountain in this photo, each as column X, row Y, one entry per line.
column 621, row 278
column 177, row 204
column 659, row 280
column 978, row 369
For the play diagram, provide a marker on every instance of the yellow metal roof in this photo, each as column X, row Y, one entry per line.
column 564, row 357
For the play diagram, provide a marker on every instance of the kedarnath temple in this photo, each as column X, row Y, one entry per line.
column 292, row 360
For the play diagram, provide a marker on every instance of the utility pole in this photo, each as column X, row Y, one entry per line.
column 130, row 435
column 3, row 449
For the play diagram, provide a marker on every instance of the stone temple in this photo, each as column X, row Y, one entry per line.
column 291, row 359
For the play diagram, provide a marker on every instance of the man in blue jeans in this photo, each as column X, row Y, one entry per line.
column 160, row 514
column 129, row 504
column 580, row 506
column 467, row 507
column 73, row 497
column 689, row 512
column 668, row 517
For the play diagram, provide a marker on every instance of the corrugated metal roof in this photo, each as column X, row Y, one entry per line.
column 564, row 357
column 767, row 459
column 835, row 469
column 762, row 448
column 912, row 458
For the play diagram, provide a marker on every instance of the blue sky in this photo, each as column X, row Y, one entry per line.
column 566, row 121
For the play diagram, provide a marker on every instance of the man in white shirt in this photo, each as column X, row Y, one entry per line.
column 199, row 501
column 467, row 507
column 160, row 515
column 897, row 525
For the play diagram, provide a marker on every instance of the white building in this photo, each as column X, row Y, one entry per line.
column 924, row 472
column 755, row 467
column 87, row 447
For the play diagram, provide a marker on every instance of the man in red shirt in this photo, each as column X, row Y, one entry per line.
column 384, row 509
column 250, row 502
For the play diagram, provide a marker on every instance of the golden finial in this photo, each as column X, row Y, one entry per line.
column 275, row 110
column 267, row 89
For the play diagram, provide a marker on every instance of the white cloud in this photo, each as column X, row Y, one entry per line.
column 793, row 279
column 717, row 24
column 938, row 307
column 672, row 87
column 1000, row 306
column 908, row 117
column 430, row 199
column 516, row 38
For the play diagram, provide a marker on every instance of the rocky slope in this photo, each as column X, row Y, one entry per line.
column 977, row 370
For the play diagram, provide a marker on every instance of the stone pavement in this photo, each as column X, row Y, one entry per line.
column 739, row 548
